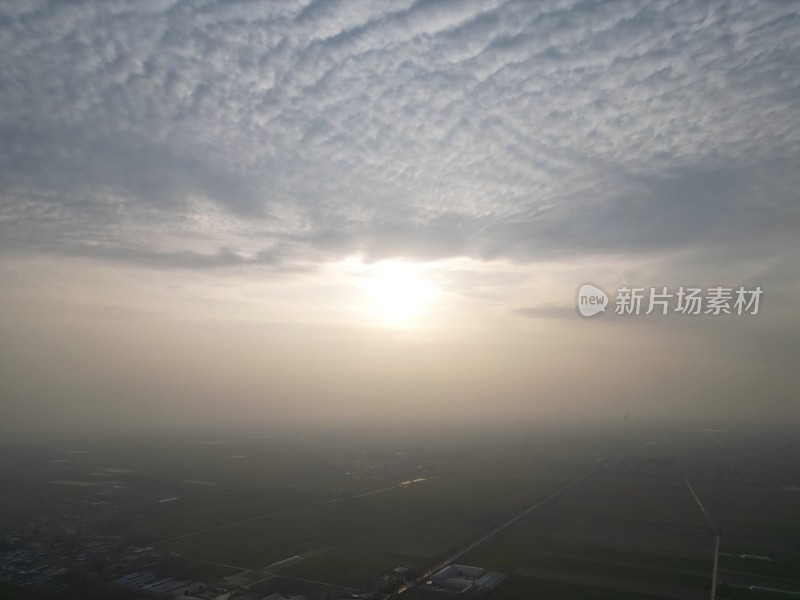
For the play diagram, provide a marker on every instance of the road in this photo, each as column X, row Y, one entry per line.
column 475, row 543
column 716, row 545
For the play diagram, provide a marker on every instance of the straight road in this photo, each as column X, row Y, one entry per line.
column 716, row 545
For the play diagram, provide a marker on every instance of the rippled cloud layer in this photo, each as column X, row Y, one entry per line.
column 287, row 134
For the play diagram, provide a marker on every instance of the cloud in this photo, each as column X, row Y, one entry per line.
column 196, row 135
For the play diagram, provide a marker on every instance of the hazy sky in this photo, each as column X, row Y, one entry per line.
column 335, row 210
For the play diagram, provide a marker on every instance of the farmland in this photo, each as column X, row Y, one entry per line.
column 331, row 514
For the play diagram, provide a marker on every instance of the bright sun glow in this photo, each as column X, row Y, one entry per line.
column 398, row 292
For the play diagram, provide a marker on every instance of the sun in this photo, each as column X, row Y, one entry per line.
column 398, row 292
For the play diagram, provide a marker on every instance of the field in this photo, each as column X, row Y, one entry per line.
column 332, row 514
column 348, row 541
column 606, row 538
column 649, row 506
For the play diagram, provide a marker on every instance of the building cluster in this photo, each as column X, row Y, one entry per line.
column 464, row 579
column 50, row 550
column 148, row 584
column 27, row 565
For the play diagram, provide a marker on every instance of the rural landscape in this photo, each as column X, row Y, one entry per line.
column 399, row 300
column 567, row 511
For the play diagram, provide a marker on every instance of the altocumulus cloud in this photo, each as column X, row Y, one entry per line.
column 209, row 134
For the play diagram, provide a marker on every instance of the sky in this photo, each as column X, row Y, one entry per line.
column 371, row 211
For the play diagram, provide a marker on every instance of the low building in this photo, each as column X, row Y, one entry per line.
column 136, row 579
column 466, row 579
